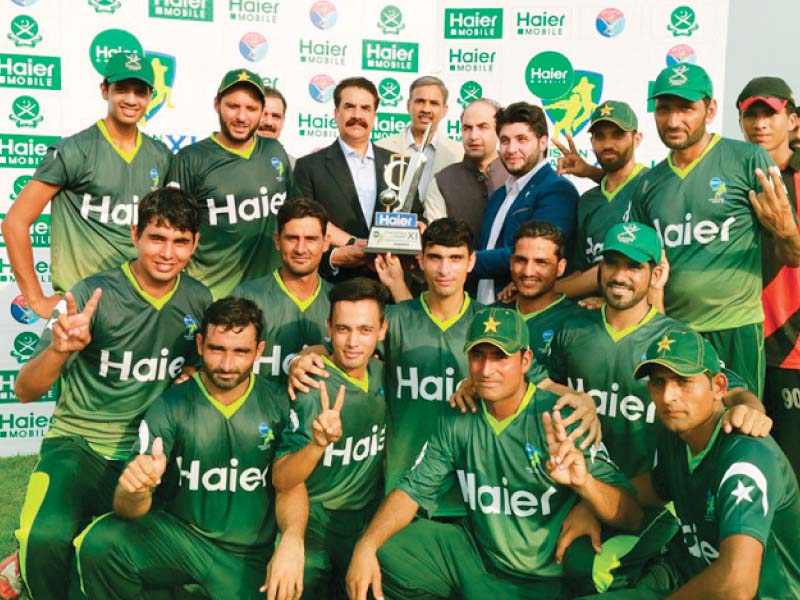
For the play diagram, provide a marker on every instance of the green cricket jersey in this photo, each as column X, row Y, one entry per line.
column 348, row 476
column 239, row 195
column 736, row 485
column 709, row 231
column 290, row 324
column 545, row 323
column 139, row 345
column 98, row 201
column 218, row 476
column 425, row 361
column 514, row 509
column 588, row 355
column 598, row 211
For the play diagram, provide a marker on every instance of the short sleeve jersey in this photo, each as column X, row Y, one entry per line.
column 710, row 234
column 736, row 485
column 218, row 476
column 590, row 356
column 98, row 201
column 544, row 324
column 290, row 324
column 349, row 474
column 598, row 211
column 139, row 345
column 239, row 194
column 514, row 509
column 425, row 361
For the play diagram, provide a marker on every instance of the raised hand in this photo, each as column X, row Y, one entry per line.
column 71, row 332
column 45, row 305
column 566, row 464
column 772, row 207
column 327, row 427
column 571, row 163
column 145, row 471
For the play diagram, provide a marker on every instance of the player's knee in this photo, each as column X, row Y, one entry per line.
column 97, row 544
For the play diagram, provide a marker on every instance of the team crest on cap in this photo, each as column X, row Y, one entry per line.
column 606, row 110
column 629, row 234
column 665, row 344
column 134, row 62
column 679, row 76
column 490, row 325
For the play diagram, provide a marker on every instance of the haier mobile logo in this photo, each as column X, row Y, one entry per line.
column 382, row 55
column 35, row 72
column 182, row 10
column 473, row 23
column 253, row 11
column 322, row 52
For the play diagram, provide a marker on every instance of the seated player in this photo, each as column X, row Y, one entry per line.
column 505, row 547
column 205, row 447
column 113, row 356
column 736, row 497
column 338, row 450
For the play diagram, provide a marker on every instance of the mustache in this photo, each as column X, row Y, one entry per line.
column 356, row 121
column 270, row 128
column 619, row 284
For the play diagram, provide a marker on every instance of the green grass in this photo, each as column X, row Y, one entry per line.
column 14, row 472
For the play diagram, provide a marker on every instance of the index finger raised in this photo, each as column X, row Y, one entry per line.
column 91, row 305
column 324, row 400
column 72, row 307
column 337, row 406
column 561, row 147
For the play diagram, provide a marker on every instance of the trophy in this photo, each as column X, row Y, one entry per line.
column 396, row 231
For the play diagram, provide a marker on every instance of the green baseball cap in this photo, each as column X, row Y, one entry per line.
column 682, row 351
column 241, row 76
column 773, row 91
column 123, row 65
column 686, row 80
column 619, row 113
column 501, row 327
column 635, row 240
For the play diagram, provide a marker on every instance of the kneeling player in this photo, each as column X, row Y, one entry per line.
column 736, row 497
column 338, row 451
column 505, row 549
column 207, row 446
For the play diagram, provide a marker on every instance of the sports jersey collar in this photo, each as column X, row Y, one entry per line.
column 157, row 303
column 245, row 154
column 536, row 313
column 611, row 195
column 301, row 304
column 445, row 325
column 499, row 426
column 683, row 173
column 618, row 335
column 227, row 410
column 360, row 384
column 126, row 156
column 694, row 461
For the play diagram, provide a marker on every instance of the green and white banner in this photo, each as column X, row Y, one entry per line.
column 566, row 55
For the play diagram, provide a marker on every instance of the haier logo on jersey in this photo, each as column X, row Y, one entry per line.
column 249, row 209
column 427, row 388
column 221, row 479
column 609, row 404
column 160, row 368
column 697, row 547
column 500, row 500
column 120, row 214
column 253, row 11
column 687, row 233
column 356, row 450
column 276, row 362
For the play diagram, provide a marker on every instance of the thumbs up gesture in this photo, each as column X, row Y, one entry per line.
column 327, row 427
column 71, row 331
column 145, row 471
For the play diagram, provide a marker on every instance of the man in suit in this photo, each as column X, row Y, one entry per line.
column 347, row 176
column 533, row 191
column 427, row 105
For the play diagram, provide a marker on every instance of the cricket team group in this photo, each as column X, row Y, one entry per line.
column 560, row 396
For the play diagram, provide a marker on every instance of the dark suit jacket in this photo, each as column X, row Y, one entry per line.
column 546, row 197
column 325, row 177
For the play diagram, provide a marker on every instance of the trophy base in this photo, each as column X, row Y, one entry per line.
column 397, row 240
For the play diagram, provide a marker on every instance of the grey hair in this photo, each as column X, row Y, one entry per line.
column 428, row 80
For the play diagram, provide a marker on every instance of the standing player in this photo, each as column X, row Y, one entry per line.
column 699, row 201
column 273, row 117
column 767, row 116
column 240, row 181
column 514, row 507
column 736, row 497
column 338, row 451
column 95, row 179
column 205, row 447
column 293, row 298
column 113, row 358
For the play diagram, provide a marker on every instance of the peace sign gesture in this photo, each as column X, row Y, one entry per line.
column 572, row 163
column 327, row 427
column 566, row 464
column 71, row 331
